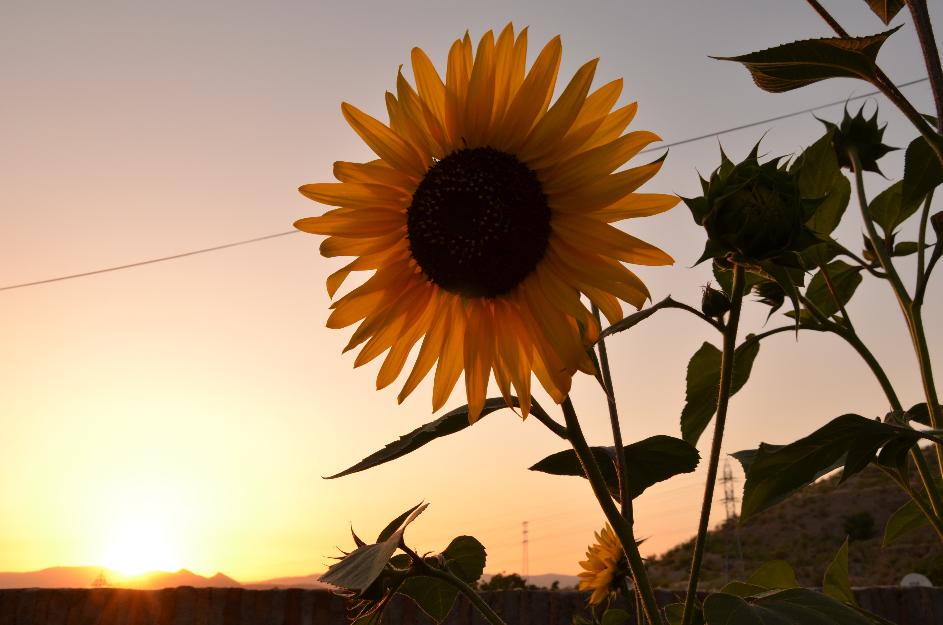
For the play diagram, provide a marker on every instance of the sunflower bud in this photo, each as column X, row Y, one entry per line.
column 753, row 211
column 864, row 136
column 713, row 302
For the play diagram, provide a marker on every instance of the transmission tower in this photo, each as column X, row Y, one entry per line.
column 730, row 506
column 525, row 564
column 100, row 581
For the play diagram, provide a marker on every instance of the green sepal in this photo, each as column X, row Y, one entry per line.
column 648, row 461
column 703, row 384
column 835, row 584
column 793, row 65
column 904, row 520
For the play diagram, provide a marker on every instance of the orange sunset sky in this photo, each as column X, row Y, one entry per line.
column 181, row 414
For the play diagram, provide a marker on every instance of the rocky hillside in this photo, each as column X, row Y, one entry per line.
column 806, row 530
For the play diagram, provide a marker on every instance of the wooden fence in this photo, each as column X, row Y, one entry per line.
column 236, row 606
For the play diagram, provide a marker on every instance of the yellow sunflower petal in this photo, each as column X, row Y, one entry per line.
column 478, row 355
column 532, row 97
column 591, row 165
column 430, row 86
column 388, row 145
column 450, row 358
column 375, row 172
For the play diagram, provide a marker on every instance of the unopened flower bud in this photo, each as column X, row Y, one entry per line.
column 864, row 136
column 713, row 302
column 937, row 222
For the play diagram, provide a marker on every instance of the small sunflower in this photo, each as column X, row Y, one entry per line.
column 605, row 566
column 485, row 218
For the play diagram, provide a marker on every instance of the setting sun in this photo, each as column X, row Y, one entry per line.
column 141, row 547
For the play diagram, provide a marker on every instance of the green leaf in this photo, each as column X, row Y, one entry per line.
column 703, row 384
column 889, row 210
column 906, row 248
column 845, row 279
column 449, row 423
column 885, row 9
column 922, row 172
column 648, row 462
column 821, row 177
column 465, row 557
column 793, row 606
column 616, row 616
column 742, row 589
column 850, row 441
column 362, row 566
column 774, row 574
column 905, row 519
column 836, row 584
column 802, row 63
column 919, row 413
column 674, row 613
column 434, row 596
column 397, row 523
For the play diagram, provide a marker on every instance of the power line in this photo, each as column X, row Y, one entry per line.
column 148, row 262
column 716, row 133
column 776, row 119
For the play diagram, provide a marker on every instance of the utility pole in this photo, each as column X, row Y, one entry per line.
column 525, row 564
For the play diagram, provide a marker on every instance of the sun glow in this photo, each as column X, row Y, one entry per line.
column 143, row 533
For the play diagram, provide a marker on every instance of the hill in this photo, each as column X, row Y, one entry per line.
column 806, row 530
column 84, row 576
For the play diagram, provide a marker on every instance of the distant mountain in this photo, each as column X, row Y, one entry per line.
column 84, row 576
column 806, row 530
column 311, row 582
column 547, row 579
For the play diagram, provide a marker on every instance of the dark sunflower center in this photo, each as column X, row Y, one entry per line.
column 479, row 222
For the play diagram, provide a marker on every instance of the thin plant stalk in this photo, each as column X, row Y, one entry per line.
column 620, row 525
column 723, row 399
column 449, row 577
column 931, row 56
column 627, row 511
column 911, row 310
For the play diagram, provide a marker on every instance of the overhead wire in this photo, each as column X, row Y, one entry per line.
column 662, row 146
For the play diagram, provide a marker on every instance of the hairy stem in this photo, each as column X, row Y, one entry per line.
column 447, row 576
column 723, row 399
column 923, row 275
column 931, row 56
column 614, row 423
column 620, row 525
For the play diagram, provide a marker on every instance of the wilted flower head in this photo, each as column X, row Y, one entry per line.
column 752, row 211
column 862, row 135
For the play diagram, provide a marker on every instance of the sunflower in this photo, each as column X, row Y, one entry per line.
column 485, row 218
column 606, row 566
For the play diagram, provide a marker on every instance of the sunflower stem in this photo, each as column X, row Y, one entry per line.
column 449, row 577
column 627, row 511
column 911, row 309
column 620, row 525
column 723, row 399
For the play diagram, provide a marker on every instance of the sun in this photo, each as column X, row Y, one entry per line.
column 142, row 546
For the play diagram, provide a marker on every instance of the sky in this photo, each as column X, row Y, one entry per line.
column 181, row 414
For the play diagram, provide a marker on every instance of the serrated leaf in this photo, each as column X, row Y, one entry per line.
column 845, row 279
column 850, row 441
column 434, row 596
column 904, row 520
column 888, row 208
column 802, row 63
column 449, row 423
column 648, row 461
column 821, row 177
column 922, row 172
column 793, row 606
column 398, row 522
column 775, row 574
column 362, row 566
column 703, row 384
column 465, row 557
column 885, row 9
column 835, row 583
